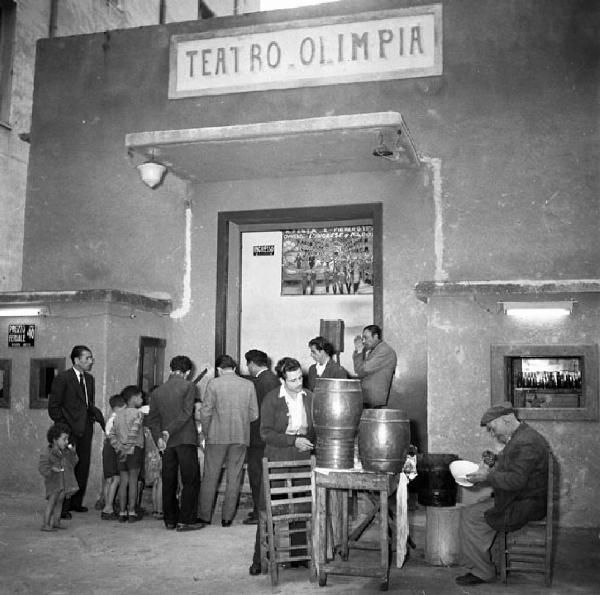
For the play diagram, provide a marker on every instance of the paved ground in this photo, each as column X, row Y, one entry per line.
column 98, row 557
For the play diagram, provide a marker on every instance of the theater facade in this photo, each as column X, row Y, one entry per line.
column 430, row 161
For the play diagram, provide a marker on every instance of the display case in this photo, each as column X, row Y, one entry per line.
column 547, row 381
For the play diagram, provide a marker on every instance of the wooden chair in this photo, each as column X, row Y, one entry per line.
column 287, row 515
column 530, row 549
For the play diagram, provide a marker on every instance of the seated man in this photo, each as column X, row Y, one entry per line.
column 519, row 479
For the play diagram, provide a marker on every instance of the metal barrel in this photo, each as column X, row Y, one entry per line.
column 337, row 407
column 383, row 439
column 435, row 484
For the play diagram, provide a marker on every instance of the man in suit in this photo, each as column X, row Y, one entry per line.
column 322, row 351
column 227, row 410
column 374, row 363
column 265, row 381
column 519, row 478
column 171, row 421
column 71, row 401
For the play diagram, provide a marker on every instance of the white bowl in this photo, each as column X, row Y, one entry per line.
column 460, row 469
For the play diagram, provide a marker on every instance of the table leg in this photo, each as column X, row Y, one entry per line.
column 345, row 522
column 383, row 527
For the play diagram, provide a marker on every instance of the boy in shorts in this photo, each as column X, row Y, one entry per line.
column 127, row 438
column 109, row 463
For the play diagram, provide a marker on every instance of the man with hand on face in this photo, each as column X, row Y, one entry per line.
column 374, row 363
column 519, row 478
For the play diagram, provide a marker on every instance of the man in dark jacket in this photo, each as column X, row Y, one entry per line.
column 171, row 421
column 265, row 381
column 71, row 401
column 519, row 479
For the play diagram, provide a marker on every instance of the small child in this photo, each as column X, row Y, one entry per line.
column 57, row 463
column 127, row 438
column 110, row 469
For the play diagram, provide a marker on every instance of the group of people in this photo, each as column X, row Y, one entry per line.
column 244, row 419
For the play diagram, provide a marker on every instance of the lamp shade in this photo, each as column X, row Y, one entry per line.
column 152, row 173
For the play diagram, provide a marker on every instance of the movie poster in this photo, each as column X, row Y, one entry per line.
column 327, row 261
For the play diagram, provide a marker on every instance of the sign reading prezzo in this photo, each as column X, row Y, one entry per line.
column 21, row 335
column 391, row 44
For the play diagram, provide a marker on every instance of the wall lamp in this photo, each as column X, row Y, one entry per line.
column 539, row 310
column 24, row 311
column 152, row 172
column 393, row 152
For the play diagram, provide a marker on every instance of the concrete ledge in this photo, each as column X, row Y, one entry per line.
column 114, row 296
column 428, row 289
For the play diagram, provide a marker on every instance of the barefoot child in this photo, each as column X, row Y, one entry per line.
column 127, row 438
column 57, row 462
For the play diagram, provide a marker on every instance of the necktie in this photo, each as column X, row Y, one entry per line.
column 82, row 384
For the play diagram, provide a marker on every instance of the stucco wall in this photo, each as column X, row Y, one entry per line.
column 112, row 335
column 460, row 332
column 513, row 122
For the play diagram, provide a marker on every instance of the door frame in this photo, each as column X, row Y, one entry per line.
column 231, row 225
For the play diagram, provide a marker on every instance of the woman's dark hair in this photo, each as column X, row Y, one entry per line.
column 55, row 431
column 285, row 365
column 322, row 344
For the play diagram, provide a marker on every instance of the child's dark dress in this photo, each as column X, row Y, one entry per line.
column 56, row 481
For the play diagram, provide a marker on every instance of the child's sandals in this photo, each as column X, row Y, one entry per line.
column 159, row 516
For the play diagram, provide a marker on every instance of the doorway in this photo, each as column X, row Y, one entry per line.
column 232, row 317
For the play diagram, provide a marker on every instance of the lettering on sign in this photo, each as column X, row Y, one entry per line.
column 21, row 335
column 383, row 45
column 267, row 250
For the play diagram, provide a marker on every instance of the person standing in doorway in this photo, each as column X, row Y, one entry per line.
column 322, row 351
column 71, row 402
column 265, row 381
column 171, row 421
column 227, row 410
column 374, row 363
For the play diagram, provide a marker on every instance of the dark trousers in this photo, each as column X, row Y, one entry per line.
column 183, row 459
column 254, row 456
column 83, row 448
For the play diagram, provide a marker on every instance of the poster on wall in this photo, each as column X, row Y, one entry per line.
column 327, row 261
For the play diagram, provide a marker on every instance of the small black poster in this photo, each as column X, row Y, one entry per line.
column 21, row 335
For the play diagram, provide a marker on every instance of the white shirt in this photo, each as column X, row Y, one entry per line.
column 297, row 422
column 320, row 368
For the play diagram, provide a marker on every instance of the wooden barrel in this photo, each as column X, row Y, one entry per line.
column 435, row 485
column 337, row 407
column 383, row 439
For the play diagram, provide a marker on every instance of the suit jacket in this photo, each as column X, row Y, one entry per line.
column 520, row 481
column 375, row 370
column 332, row 370
column 274, row 415
column 227, row 410
column 264, row 383
column 67, row 404
column 172, row 409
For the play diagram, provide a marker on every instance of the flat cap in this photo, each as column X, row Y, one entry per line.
column 497, row 411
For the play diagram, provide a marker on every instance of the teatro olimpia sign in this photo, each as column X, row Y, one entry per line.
column 382, row 45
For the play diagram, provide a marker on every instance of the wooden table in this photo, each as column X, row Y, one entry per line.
column 379, row 486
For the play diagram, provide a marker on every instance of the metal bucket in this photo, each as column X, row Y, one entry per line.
column 435, row 485
column 383, row 439
column 337, row 407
